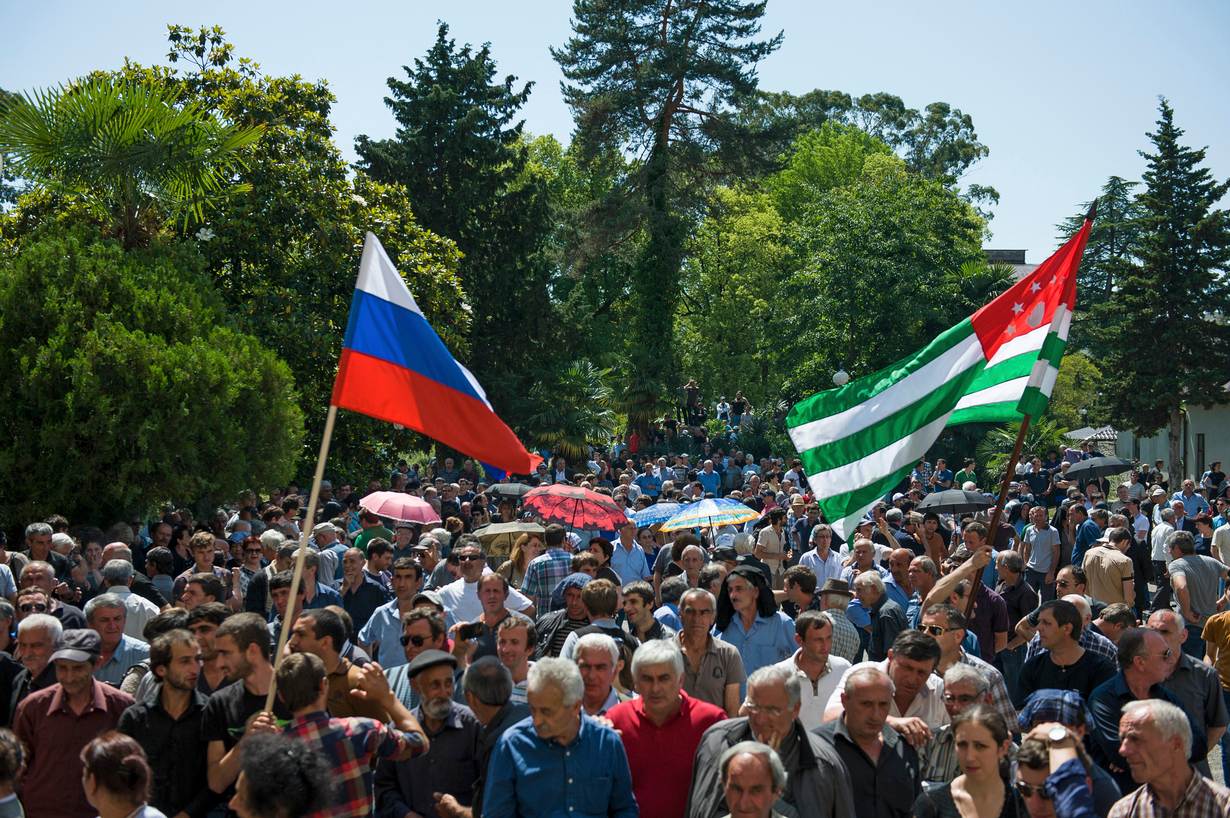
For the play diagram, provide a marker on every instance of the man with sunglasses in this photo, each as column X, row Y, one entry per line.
column 422, row 629
column 946, row 624
column 460, row 597
column 1144, row 661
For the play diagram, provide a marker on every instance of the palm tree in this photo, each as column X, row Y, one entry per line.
column 571, row 411
column 995, row 449
column 134, row 154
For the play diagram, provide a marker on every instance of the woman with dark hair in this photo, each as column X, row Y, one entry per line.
column 982, row 790
column 747, row 617
column 281, row 777
column 116, row 776
column 181, row 551
column 771, row 545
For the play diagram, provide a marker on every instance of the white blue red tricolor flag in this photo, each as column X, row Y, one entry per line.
column 394, row 367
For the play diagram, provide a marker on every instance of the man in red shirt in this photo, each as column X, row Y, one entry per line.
column 661, row 730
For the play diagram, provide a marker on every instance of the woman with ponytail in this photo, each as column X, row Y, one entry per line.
column 982, row 790
column 116, row 777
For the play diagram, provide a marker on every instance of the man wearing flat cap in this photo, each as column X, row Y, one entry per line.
column 451, row 764
column 56, row 724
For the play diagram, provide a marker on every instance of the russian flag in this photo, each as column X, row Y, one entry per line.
column 394, row 367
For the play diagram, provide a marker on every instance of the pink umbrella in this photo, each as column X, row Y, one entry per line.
column 402, row 508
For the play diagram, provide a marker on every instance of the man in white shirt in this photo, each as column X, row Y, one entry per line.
column 917, row 708
column 1160, row 548
column 823, row 561
column 818, row 670
column 460, row 597
column 117, row 580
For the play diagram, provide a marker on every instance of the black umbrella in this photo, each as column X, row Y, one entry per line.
column 513, row 490
column 1096, row 467
column 954, row 501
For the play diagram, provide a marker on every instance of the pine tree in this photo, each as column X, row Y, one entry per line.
column 1165, row 326
column 462, row 154
column 658, row 79
column 1113, row 242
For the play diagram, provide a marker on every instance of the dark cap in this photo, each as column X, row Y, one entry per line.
column 836, row 586
column 79, row 645
column 428, row 659
column 726, row 553
column 1049, row 704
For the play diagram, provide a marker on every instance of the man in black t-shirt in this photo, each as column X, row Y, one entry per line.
column 243, row 648
column 1064, row 665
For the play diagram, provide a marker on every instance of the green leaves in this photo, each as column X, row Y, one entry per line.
column 137, row 155
column 131, row 386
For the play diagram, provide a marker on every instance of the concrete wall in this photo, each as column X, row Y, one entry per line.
column 1209, row 428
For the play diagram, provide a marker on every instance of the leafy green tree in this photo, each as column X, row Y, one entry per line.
column 9, row 185
column 1077, row 392
column 659, row 80
column 820, row 160
column 887, row 264
column 1164, row 327
column 285, row 253
column 129, row 383
column 732, row 305
column 939, row 142
column 136, row 155
column 460, row 149
column 1110, row 252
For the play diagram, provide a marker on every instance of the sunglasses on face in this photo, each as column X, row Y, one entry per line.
column 935, row 630
column 417, row 641
column 469, row 557
column 33, row 607
column 1029, row 790
column 251, row 551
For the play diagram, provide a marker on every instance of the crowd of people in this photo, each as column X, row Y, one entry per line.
column 1075, row 661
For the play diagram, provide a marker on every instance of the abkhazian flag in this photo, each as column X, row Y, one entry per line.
column 859, row 441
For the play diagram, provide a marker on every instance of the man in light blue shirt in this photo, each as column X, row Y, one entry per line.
column 628, row 558
column 106, row 615
column 649, row 483
column 748, row 618
column 824, row 562
column 1193, row 503
column 558, row 761
column 382, row 633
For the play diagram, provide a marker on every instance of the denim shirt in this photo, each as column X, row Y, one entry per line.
column 589, row 778
column 770, row 640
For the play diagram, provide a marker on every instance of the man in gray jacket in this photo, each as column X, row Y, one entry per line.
column 817, row 783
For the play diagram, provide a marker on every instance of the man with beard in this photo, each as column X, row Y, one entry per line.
column 351, row 746
column 204, row 621
column 450, row 765
column 243, row 646
column 167, row 725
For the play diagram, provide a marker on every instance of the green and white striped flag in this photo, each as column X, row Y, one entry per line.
column 859, row 441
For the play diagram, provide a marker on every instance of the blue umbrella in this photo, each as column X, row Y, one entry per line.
column 657, row 513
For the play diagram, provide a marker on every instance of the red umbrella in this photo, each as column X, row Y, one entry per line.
column 575, row 507
column 403, row 508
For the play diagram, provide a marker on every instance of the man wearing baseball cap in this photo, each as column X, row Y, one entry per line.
column 56, row 723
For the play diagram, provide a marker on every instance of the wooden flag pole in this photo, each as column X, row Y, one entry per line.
column 993, row 528
column 305, row 536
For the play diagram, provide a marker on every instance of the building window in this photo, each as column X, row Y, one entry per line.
column 1135, row 447
column 1199, row 453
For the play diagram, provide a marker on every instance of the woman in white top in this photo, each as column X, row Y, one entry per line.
column 771, row 545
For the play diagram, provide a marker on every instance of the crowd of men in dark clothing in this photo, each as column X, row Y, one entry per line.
column 772, row 668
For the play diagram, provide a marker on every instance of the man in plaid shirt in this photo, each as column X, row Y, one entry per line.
column 545, row 571
column 352, row 746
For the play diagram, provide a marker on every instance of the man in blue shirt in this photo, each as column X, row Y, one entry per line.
column 649, row 483
column 1087, row 532
column 1193, row 503
column 558, row 761
column 710, row 480
column 628, row 558
column 942, row 476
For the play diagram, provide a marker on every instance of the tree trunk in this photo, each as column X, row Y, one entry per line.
column 1175, row 465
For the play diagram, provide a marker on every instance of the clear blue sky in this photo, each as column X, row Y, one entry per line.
column 1062, row 92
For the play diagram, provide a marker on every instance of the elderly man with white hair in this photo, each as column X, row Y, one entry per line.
column 887, row 617
column 816, row 780
column 559, row 761
column 661, row 729
column 117, row 580
column 1155, row 739
column 38, row 636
